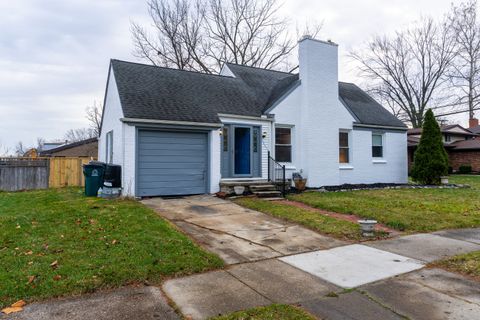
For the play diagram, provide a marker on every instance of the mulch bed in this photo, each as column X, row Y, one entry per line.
column 375, row 186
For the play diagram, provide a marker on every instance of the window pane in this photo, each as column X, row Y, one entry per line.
column 283, row 136
column 343, row 156
column 225, row 138
column 343, row 137
column 255, row 139
column 283, row 153
column 377, row 151
column 377, row 140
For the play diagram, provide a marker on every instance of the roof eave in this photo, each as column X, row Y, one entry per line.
column 170, row 122
column 379, row 126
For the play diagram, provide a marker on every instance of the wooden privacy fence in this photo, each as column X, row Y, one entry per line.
column 66, row 172
column 40, row 173
column 23, row 174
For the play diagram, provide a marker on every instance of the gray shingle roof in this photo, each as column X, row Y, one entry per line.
column 268, row 85
column 365, row 108
column 150, row 92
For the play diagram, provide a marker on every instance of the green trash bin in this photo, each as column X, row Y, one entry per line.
column 93, row 173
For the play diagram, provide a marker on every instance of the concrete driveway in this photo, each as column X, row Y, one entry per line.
column 235, row 233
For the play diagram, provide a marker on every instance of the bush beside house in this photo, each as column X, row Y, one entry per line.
column 430, row 159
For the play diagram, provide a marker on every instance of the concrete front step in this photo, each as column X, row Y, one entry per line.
column 265, row 187
column 268, row 194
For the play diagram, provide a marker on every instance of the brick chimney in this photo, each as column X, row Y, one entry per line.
column 472, row 122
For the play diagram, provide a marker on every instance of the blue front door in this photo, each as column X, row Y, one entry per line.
column 243, row 151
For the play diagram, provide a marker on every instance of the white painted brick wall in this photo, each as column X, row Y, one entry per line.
column 215, row 156
column 128, row 168
column 123, row 138
column 317, row 115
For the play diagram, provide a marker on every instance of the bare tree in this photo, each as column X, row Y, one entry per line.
column 200, row 35
column 20, row 149
column 40, row 143
column 465, row 71
column 94, row 117
column 4, row 150
column 409, row 68
column 74, row 135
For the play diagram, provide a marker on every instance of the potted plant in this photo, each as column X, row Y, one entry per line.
column 300, row 181
column 368, row 227
column 239, row 190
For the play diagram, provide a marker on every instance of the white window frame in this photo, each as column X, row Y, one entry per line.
column 382, row 135
column 109, row 147
column 279, row 126
column 349, row 148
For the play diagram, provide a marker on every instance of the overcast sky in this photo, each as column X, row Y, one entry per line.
column 54, row 54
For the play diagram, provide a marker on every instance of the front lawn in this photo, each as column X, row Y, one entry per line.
column 411, row 210
column 327, row 225
column 272, row 312
column 57, row 242
column 467, row 264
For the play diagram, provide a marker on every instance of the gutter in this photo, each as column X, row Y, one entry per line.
column 226, row 115
column 361, row 125
column 170, row 122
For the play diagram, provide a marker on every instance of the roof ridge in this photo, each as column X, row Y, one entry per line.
column 173, row 69
column 265, row 69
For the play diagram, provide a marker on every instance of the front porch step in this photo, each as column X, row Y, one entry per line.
column 268, row 194
column 245, row 183
column 262, row 187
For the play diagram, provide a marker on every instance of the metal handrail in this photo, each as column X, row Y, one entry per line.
column 272, row 176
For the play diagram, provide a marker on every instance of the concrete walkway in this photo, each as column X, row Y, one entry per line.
column 146, row 303
column 388, row 277
column 235, row 233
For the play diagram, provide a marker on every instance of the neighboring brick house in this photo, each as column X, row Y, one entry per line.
column 84, row 148
column 462, row 145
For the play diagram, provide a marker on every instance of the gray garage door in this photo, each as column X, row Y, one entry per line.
column 171, row 163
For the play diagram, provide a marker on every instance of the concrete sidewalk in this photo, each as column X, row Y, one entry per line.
column 146, row 303
column 388, row 275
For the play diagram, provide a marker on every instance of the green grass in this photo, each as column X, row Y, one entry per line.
column 411, row 210
column 97, row 244
column 272, row 312
column 334, row 227
column 467, row 264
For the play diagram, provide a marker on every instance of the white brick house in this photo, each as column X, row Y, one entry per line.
column 179, row 132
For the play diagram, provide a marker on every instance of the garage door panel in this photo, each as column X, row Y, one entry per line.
column 179, row 152
column 168, row 184
column 172, row 171
column 168, row 190
column 173, row 140
column 171, row 178
column 150, row 147
column 178, row 159
column 171, row 163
